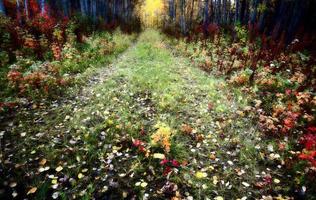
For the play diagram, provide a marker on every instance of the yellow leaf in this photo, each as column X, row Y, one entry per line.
column 277, row 181
column 200, row 175
column 116, row 148
column 215, row 180
column 162, row 136
column 159, row 156
column 32, row 190
column 219, row 198
column 59, row 168
column 212, row 157
column 143, row 184
column 80, row 175
column 211, row 168
column 84, row 170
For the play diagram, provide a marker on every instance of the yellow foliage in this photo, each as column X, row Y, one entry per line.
column 200, row 175
column 162, row 137
column 151, row 11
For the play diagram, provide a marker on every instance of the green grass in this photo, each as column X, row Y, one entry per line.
column 79, row 61
column 144, row 86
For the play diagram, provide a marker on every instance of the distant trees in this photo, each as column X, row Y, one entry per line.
column 100, row 11
column 2, row 7
column 276, row 18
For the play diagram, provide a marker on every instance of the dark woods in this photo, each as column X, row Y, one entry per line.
column 282, row 20
column 100, row 13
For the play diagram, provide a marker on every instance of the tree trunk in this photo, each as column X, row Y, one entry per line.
column 18, row 14
column 26, row 9
column 42, row 5
column 219, row 5
column 253, row 15
column 206, row 13
column 237, row 11
column 2, row 10
column 224, row 19
column 191, row 14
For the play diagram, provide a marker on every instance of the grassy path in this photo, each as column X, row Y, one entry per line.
column 85, row 147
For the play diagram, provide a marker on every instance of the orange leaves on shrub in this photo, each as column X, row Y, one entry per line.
column 14, row 76
column 241, row 79
column 162, row 137
column 30, row 42
column 303, row 98
column 40, row 80
column 187, row 129
column 56, row 51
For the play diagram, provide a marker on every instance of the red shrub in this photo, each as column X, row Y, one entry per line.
column 310, row 156
column 309, row 141
column 44, row 80
column 213, row 30
column 14, row 76
column 168, row 165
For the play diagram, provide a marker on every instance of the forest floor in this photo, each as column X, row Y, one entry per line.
column 148, row 126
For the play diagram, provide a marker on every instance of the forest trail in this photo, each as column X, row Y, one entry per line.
column 145, row 89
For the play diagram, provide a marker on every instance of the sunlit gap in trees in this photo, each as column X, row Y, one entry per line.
column 151, row 12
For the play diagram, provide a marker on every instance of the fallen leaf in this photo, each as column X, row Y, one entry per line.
column 200, row 175
column 80, row 175
column 277, row 181
column 159, row 156
column 212, row 157
column 215, row 180
column 219, row 198
column 59, row 168
column 84, row 170
column 13, row 184
column 14, row 194
column 32, row 190
column 230, row 163
column 245, row 184
column 143, row 184
column 55, row 195
column 43, row 162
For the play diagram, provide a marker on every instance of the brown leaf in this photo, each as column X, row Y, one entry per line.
column 187, row 129
column 43, row 162
column 32, row 190
column 260, row 184
column 210, row 106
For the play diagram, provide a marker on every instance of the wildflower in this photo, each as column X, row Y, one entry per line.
column 175, row 163
column 137, row 143
column 164, row 161
column 200, row 175
column 14, row 75
column 288, row 92
column 169, row 165
column 166, row 171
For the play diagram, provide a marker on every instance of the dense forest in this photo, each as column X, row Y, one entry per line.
column 273, row 18
column 158, row 99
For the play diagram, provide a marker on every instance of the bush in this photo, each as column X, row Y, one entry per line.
column 35, row 79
